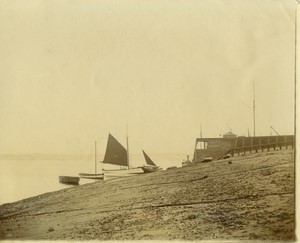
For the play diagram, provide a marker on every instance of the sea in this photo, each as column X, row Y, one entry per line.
column 28, row 175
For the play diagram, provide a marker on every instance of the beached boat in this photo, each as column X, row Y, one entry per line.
column 171, row 168
column 207, row 159
column 151, row 166
column 92, row 176
column 74, row 180
column 117, row 154
column 95, row 175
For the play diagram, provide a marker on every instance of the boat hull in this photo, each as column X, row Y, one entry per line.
column 207, row 159
column 73, row 180
column 122, row 173
column 149, row 169
column 172, row 168
column 92, row 176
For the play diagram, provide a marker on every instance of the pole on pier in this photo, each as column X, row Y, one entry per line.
column 253, row 108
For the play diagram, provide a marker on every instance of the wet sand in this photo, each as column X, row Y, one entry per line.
column 250, row 199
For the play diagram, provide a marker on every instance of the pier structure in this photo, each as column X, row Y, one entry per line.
column 217, row 148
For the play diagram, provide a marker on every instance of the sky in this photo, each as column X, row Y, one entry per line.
column 73, row 71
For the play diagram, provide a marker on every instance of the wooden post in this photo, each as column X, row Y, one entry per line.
column 195, row 151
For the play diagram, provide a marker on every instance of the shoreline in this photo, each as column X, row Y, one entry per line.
column 251, row 198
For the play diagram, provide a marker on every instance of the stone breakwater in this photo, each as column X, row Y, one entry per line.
column 250, row 198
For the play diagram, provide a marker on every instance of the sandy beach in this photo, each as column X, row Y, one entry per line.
column 251, row 198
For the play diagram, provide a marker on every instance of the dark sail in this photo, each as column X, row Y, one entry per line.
column 115, row 153
column 148, row 160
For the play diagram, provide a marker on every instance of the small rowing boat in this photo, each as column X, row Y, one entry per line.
column 73, row 180
column 99, row 176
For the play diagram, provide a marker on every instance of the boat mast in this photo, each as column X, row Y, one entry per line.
column 127, row 149
column 95, row 157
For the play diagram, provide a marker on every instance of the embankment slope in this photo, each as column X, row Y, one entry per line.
column 251, row 198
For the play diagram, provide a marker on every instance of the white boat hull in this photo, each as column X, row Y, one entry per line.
column 122, row 173
column 92, row 176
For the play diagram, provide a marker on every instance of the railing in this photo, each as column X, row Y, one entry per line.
column 261, row 147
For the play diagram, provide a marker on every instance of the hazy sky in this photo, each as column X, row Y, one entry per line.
column 73, row 71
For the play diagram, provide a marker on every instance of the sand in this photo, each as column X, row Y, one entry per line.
column 251, row 198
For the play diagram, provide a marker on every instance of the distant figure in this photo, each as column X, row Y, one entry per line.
column 187, row 162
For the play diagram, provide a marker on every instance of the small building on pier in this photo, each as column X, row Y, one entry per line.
column 229, row 135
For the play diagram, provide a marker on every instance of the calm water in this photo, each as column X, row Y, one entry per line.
column 23, row 176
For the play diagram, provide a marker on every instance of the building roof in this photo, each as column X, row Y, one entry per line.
column 229, row 134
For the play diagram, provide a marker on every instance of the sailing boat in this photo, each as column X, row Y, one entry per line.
column 93, row 176
column 151, row 166
column 116, row 154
